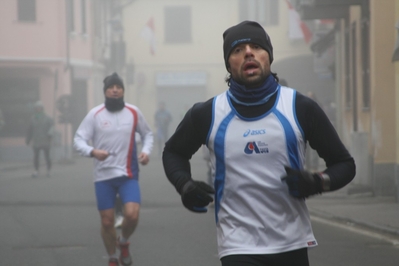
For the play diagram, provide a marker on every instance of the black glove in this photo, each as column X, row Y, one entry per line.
column 301, row 183
column 195, row 195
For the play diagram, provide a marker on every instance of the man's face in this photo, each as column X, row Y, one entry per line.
column 249, row 65
column 114, row 91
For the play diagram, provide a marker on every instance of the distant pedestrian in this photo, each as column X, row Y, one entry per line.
column 40, row 133
column 162, row 120
column 108, row 134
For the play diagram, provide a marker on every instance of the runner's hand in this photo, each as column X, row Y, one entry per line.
column 301, row 183
column 100, row 155
column 144, row 158
column 195, row 195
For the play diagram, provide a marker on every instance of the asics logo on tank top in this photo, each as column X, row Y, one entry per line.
column 256, row 147
column 250, row 132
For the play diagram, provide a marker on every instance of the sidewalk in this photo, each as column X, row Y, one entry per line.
column 360, row 209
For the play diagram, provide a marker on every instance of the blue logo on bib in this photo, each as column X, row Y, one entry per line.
column 257, row 147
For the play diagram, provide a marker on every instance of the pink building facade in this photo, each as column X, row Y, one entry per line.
column 50, row 50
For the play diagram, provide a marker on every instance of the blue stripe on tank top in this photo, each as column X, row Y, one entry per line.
column 291, row 141
column 213, row 120
column 219, row 148
column 295, row 116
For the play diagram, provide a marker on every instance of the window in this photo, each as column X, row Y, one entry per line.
column 177, row 24
column 395, row 55
column 26, row 10
column 366, row 64
column 16, row 103
column 83, row 11
column 348, row 95
column 99, row 19
column 354, row 74
column 70, row 15
column 263, row 11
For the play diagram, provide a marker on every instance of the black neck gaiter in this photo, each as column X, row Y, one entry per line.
column 256, row 96
column 114, row 104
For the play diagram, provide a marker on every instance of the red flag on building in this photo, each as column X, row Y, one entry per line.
column 297, row 28
column 148, row 33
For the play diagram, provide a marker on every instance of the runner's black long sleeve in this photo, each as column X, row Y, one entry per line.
column 318, row 131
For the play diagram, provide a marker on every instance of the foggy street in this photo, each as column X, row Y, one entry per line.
column 340, row 247
column 54, row 221
column 300, row 91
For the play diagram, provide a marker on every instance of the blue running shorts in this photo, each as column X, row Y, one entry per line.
column 106, row 191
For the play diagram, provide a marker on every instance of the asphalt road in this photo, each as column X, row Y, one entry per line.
column 340, row 245
column 54, row 221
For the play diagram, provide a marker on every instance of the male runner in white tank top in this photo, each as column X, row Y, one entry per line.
column 256, row 133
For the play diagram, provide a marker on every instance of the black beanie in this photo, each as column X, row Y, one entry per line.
column 246, row 32
column 111, row 80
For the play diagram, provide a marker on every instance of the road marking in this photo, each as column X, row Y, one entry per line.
column 50, row 247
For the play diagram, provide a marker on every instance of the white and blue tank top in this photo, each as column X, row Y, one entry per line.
column 254, row 212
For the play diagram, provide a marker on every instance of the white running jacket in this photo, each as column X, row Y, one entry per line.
column 114, row 132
